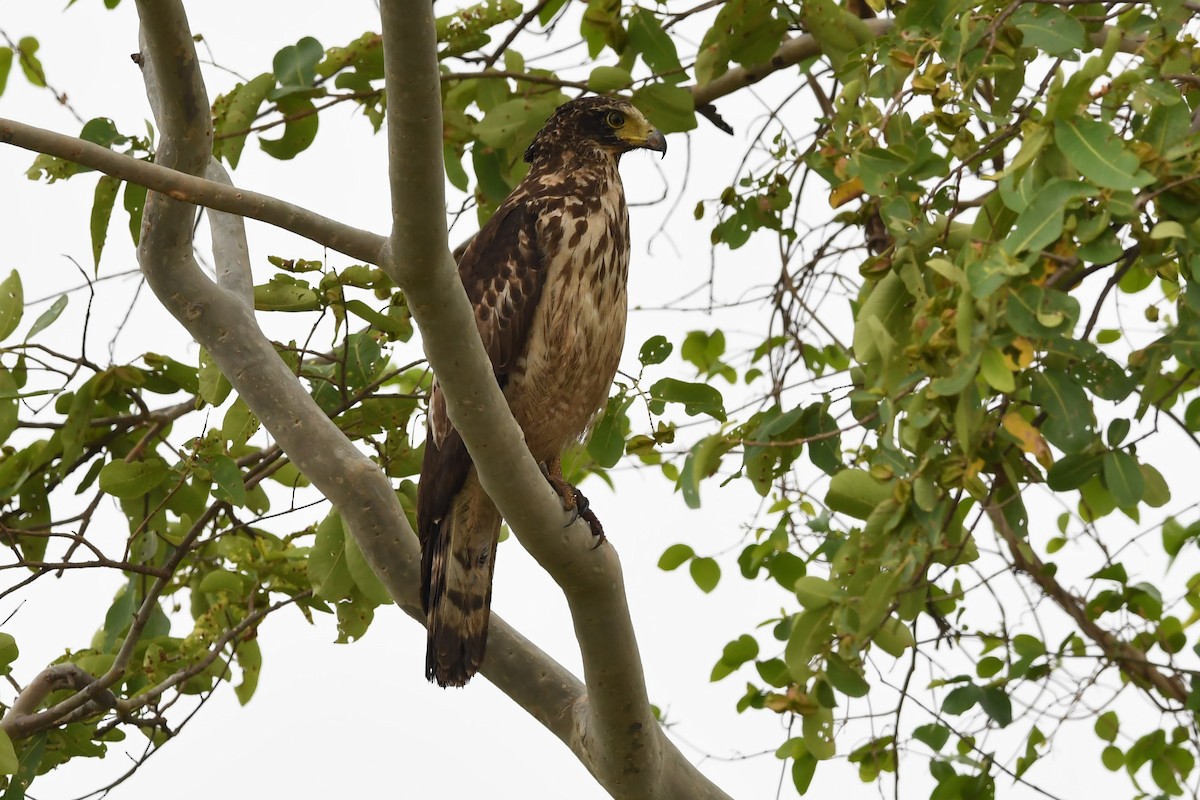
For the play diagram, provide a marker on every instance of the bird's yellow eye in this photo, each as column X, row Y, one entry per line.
column 614, row 119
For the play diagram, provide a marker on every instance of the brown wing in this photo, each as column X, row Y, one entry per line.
column 503, row 273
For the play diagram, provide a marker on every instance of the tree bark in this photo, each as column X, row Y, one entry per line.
column 607, row 723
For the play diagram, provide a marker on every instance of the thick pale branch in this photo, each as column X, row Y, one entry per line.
column 223, row 324
column 608, row 724
column 231, row 252
column 23, row 718
column 356, row 243
column 615, row 734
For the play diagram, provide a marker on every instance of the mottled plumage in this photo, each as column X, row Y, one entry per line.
column 546, row 277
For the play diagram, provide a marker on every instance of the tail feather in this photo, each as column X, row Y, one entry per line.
column 457, row 565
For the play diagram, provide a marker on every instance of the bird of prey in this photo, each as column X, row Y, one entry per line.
column 546, row 277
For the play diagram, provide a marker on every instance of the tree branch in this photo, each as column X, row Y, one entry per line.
column 614, row 731
column 231, row 253
column 23, row 714
column 790, row 53
column 793, row 51
column 356, row 243
column 608, row 725
column 1129, row 659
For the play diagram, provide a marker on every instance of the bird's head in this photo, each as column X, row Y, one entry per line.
column 600, row 125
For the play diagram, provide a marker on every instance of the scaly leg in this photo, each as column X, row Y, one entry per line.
column 573, row 500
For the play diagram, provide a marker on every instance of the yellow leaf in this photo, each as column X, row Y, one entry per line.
column 972, row 470
column 846, row 192
column 795, row 701
column 1024, row 352
column 1029, row 438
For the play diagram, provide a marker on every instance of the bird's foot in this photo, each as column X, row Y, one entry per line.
column 574, row 501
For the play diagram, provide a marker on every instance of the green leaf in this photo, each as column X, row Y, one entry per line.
column 894, row 637
column 12, row 304
column 354, row 617
column 102, row 131
column 655, row 350
column 249, row 659
column 1094, row 150
column 702, row 462
column 295, row 66
column 222, row 580
column 1040, row 313
column 6, row 60
column 933, row 735
column 235, row 113
column 988, row 666
column 803, row 770
column 8, row 651
column 227, row 477
column 845, row 678
column 1123, row 478
column 1051, row 29
column 548, row 11
column 364, row 577
column 838, row 31
column 103, row 202
column 705, row 572
column 856, row 492
column 213, row 386
column 118, row 617
column 657, row 48
column 961, row 699
column 1073, row 471
column 1156, row 494
column 1041, row 222
column 239, row 424
column 818, row 734
column 888, row 304
column 607, row 442
column 134, row 202
column 825, row 453
column 286, row 293
column 455, row 173
column 9, row 763
column 814, row 592
column 601, row 25
column 809, row 634
column 609, row 79
column 327, row 569
column 299, row 129
column 1069, row 417
column 996, row 703
column 669, row 108
column 675, row 556
column 696, row 398
column 513, row 121
column 30, row 65
column 47, row 317
column 994, row 370
column 1170, row 229
column 132, row 479
column 735, row 654
column 1108, row 726
column 9, row 405
column 1112, row 758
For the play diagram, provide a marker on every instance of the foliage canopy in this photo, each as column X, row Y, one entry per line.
column 998, row 199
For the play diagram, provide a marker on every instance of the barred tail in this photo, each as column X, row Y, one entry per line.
column 456, row 575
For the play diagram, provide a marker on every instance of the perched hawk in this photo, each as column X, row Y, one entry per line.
column 546, row 277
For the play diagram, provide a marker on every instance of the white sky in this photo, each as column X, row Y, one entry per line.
column 360, row 720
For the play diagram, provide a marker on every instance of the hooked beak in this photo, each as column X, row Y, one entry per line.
column 656, row 141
